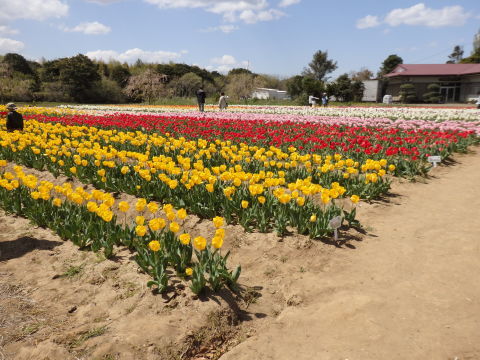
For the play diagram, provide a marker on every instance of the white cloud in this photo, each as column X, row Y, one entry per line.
column 223, row 28
column 419, row 14
column 5, row 30
column 9, row 45
column 226, row 63
column 224, row 60
column 285, row 3
column 251, row 17
column 130, row 56
column 32, row 9
column 90, row 28
column 368, row 22
column 249, row 11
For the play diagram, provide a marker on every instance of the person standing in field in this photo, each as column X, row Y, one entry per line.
column 312, row 100
column 201, row 99
column 14, row 119
column 222, row 102
column 478, row 102
column 325, row 100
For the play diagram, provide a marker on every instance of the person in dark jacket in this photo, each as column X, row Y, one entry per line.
column 14, row 119
column 201, row 99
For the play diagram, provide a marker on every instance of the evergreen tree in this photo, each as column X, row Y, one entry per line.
column 390, row 63
column 320, row 66
column 456, row 56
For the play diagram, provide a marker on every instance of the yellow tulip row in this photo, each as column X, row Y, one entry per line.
column 38, row 110
column 105, row 206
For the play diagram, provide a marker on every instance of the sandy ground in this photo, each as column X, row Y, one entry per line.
column 408, row 289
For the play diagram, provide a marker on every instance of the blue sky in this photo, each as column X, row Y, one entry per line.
column 275, row 37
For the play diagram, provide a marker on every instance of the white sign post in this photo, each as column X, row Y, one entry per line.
column 335, row 223
column 434, row 160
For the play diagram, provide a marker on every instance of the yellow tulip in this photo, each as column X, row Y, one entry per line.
column 92, row 206
column 57, row 202
column 220, row 232
column 184, row 239
column 182, row 214
column 218, row 221
column 174, row 227
column 217, row 242
column 154, row 245
column 285, row 198
column 123, row 206
column 141, row 204
column 300, row 201
column 200, row 243
column 152, row 207
column 354, row 199
column 140, row 230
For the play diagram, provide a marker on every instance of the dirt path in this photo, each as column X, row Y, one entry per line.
column 411, row 290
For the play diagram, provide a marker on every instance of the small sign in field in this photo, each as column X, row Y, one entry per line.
column 335, row 223
column 434, row 160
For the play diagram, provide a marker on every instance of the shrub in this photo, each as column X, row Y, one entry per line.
column 433, row 94
column 407, row 93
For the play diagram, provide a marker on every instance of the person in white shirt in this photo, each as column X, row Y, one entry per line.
column 312, row 100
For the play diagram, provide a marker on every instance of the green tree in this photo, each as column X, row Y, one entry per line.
column 344, row 88
column 320, row 66
column 79, row 74
column 295, row 86
column 107, row 91
column 120, row 74
column 187, row 85
column 358, row 87
column 433, row 94
column 456, row 56
column 18, row 63
column 237, row 71
column 472, row 59
column 312, row 87
column 407, row 93
column 390, row 63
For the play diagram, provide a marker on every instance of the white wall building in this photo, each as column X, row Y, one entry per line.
column 372, row 90
column 266, row 94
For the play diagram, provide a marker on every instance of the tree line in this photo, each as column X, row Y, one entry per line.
column 83, row 80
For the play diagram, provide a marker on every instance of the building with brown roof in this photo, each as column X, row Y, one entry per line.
column 458, row 82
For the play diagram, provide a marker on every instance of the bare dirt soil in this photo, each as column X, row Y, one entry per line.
column 407, row 289
column 410, row 290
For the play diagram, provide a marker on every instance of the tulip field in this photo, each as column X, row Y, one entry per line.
column 268, row 169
